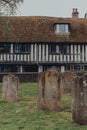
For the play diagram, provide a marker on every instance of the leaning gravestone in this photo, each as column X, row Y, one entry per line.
column 10, row 88
column 79, row 100
column 50, row 90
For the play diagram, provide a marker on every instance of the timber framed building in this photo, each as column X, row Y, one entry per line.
column 33, row 44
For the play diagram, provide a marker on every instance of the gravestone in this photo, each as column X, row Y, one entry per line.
column 10, row 88
column 50, row 90
column 79, row 100
column 68, row 81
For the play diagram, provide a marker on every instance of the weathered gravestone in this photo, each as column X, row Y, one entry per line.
column 68, row 81
column 10, row 88
column 79, row 100
column 50, row 90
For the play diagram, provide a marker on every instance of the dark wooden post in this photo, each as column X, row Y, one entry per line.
column 50, row 90
column 79, row 100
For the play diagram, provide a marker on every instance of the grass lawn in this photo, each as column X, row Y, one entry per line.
column 23, row 115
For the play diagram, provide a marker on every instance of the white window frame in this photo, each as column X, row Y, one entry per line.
column 62, row 28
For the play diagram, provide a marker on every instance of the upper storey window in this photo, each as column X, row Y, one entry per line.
column 61, row 28
column 4, row 48
column 22, row 48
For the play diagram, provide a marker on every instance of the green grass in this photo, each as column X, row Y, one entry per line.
column 23, row 115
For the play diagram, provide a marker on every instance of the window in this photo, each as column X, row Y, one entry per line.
column 79, row 67
column 58, row 49
column 63, row 49
column 4, row 48
column 52, row 48
column 22, row 48
column 72, row 67
column 61, row 28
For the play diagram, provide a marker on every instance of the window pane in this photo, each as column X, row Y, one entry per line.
column 63, row 49
column 22, row 48
column 52, row 48
column 61, row 28
column 4, row 48
column 17, row 48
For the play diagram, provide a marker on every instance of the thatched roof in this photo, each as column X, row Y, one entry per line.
column 41, row 29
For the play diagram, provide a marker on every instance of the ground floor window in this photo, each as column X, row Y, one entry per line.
column 75, row 67
column 45, row 67
column 18, row 68
column 30, row 68
column 63, row 68
column 6, row 68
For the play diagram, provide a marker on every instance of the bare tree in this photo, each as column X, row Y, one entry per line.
column 9, row 7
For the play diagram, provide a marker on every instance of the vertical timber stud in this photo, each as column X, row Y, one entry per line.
column 79, row 100
column 50, row 90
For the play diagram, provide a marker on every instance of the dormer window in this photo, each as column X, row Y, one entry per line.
column 61, row 28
